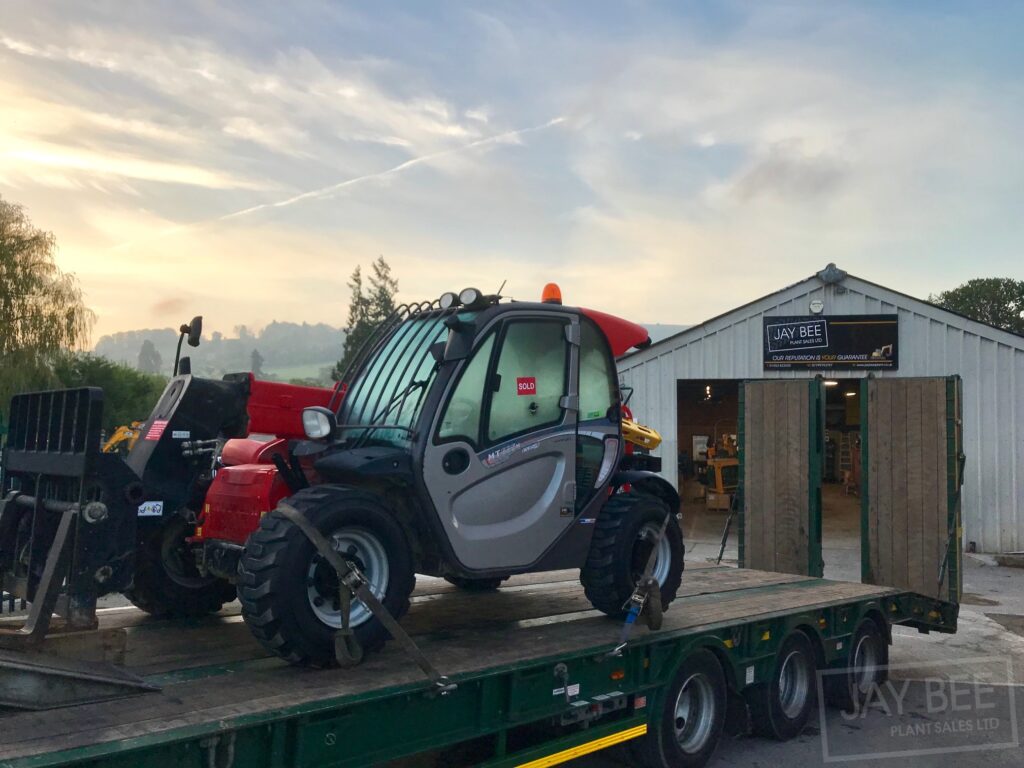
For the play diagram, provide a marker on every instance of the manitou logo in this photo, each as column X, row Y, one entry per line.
column 526, row 385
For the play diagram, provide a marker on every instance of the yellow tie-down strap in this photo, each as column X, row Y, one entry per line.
column 585, row 749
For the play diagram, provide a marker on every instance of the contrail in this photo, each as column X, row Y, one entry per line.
column 328, row 190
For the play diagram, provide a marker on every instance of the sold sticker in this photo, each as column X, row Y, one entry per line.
column 526, row 385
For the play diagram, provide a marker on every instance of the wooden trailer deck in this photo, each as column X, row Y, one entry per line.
column 215, row 676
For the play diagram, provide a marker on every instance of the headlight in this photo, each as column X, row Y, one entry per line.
column 318, row 422
column 469, row 296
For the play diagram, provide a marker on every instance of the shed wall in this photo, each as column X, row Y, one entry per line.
column 931, row 343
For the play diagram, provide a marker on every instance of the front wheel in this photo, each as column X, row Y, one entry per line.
column 167, row 582
column 626, row 532
column 289, row 593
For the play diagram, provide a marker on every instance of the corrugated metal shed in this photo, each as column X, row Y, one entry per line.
column 932, row 342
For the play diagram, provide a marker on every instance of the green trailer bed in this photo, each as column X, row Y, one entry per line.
column 223, row 702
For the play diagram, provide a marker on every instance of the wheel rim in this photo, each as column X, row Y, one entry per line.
column 646, row 537
column 794, row 683
column 694, row 715
column 865, row 663
column 367, row 552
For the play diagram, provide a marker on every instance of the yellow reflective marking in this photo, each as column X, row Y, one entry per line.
column 727, row 643
column 767, row 635
column 585, row 749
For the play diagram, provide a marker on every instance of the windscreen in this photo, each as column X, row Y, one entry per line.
column 384, row 401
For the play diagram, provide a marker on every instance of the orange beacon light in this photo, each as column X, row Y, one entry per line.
column 551, row 294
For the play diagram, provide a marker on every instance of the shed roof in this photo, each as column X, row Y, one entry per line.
column 832, row 275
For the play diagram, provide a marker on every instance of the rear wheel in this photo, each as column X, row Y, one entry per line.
column 865, row 668
column 626, row 532
column 780, row 708
column 475, row 585
column 167, row 581
column 289, row 593
column 691, row 719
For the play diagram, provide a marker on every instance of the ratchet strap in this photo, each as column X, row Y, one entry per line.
column 352, row 583
column 646, row 594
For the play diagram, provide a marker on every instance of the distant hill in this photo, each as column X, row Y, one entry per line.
column 286, row 350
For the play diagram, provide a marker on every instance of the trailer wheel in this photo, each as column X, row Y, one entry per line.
column 167, row 582
column 289, row 593
column 475, row 585
column 691, row 719
column 626, row 529
column 865, row 667
column 780, row 708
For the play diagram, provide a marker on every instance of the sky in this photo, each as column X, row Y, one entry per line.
column 662, row 161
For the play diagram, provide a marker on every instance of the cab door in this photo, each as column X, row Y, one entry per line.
column 500, row 466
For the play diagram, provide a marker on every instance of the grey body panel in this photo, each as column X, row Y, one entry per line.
column 514, row 499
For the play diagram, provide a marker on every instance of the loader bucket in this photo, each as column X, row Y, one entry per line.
column 67, row 513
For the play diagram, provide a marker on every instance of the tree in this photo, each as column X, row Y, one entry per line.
column 998, row 301
column 257, row 363
column 366, row 311
column 41, row 307
column 383, row 288
column 150, row 360
column 128, row 395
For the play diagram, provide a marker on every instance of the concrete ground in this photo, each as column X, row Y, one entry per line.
column 906, row 722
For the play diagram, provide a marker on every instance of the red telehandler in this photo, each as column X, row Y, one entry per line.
column 473, row 439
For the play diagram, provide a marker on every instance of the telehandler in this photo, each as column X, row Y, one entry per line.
column 473, row 439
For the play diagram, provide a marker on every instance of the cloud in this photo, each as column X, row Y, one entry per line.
column 747, row 147
column 170, row 306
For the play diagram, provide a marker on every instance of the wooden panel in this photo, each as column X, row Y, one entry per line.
column 906, row 499
column 776, row 508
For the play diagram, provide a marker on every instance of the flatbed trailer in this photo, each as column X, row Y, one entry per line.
column 537, row 685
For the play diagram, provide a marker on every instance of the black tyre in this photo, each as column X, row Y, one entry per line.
column 289, row 593
column 626, row 530
column 865, row 668
column 475, row 585
column 780, row 708
column 691, row 720
column 167, row 582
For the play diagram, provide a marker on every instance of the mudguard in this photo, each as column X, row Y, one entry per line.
column 647, row 482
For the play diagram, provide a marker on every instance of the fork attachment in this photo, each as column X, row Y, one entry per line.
column 67, row 513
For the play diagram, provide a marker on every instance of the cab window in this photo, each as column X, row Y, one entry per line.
column 461, row 419
column 598, row 379
column 529, row 379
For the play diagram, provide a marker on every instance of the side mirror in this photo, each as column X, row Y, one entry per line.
column 195, row 331
column 318, row 422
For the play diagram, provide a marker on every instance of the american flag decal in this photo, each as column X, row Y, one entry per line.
column 156, row 429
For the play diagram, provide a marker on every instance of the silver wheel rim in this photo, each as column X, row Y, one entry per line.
column 663, row 562
column 865, row 663
column 363, row 548
column 694, row 715
column 794, row 683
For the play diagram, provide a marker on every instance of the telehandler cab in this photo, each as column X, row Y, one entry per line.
column 472, row 439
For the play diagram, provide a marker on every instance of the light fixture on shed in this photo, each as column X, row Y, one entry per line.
column 831, row 383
